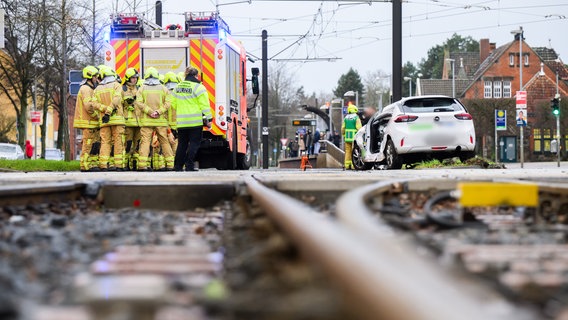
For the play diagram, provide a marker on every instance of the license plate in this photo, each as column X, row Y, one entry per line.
column 420, row 126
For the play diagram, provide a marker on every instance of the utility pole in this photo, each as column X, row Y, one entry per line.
column 265, row 129
column 396, row 50
column 557, row 96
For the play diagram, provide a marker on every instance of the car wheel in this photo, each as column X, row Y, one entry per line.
column 357, row 159
column 393, row 160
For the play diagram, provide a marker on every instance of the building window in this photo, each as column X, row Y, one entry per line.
column 546, row 138
column 506, row 89
column 511, row 60
column 487, row 89
column 537, row 140
column 496, row 89
column 526, row 57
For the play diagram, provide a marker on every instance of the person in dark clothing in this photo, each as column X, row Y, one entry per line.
column 191, row 102
column 294, row 147
column 317, row 138
column 309, row 142
column 336, row 138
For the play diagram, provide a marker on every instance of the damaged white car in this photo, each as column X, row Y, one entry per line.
column 415, row 129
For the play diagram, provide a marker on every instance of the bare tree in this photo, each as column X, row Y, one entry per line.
column 23, row 26
column 6, row 127
column 376, row 84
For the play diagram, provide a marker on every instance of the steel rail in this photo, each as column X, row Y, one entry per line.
column 398, row 257
column 375, row 278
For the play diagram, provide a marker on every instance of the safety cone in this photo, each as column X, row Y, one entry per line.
column 305, row 163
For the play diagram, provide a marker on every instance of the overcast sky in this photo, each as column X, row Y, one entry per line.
column 360, row 35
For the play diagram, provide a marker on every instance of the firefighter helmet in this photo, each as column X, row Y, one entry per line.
column 151, row 73
column 130, row 73
column 352, row 108
column 170, row 77
column 89, row 72
column 181, row 76
column 105, row 71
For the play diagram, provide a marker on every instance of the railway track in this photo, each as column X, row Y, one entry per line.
column 245, row 250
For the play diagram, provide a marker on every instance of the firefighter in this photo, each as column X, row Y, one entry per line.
column 87, row 119
column 171, row 81
column 111, row 119
column 131, row 118
column 191, row 102
column 153, row 100
column 351, row 123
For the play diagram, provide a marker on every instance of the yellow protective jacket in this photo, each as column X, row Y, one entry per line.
column 86, row 117
column 191, row 102
column 351, row 124
column 131, row 113
column 153, row 96
column 107, row 97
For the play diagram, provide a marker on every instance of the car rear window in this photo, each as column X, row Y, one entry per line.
column 432, row 105
column 5, row 148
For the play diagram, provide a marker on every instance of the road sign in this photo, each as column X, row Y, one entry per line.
column 303, row 122
column 265, row 131
column 35, row 116
column 500, row 120
column 284, row 141
column 75, row 80
column 521, row 99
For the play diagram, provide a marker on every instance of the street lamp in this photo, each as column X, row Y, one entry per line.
column 519, row 33
column 381, row 92
column 452, row 62
column 353, row 94
column 409, row 79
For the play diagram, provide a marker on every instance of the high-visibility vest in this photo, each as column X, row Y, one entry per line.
column 131, row 113
column 191, row 103
column 109, row 95
column 350, row 122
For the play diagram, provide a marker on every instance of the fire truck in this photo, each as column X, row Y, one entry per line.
column 204, row 42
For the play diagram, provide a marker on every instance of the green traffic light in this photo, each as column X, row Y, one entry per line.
column 556, row 112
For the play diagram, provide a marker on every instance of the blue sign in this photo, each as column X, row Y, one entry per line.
column 500, row 120
column 344, row 110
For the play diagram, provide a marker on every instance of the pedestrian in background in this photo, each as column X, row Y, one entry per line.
column 317, row 138
column 336, row 138
column 310, row 142
column 29, row 150
column 302, row 144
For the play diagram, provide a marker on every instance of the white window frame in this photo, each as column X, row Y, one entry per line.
column 526, row 60
column 487, row 89
column 497, row 89
column 507, row 89
column 511, row 60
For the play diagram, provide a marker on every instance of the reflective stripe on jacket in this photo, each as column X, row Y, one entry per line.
column 131, row 113
column 151, row 98
column 86, row 117
column 191, row 103
column 109, row 95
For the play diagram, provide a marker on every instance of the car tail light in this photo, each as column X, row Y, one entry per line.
column 471, row 139
column 405, row 118
column 402, row 142
column 463, row 116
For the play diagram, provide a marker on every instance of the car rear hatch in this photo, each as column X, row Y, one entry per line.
column 435, row 122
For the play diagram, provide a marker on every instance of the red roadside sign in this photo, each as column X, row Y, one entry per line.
column 35, row 117
column 521, row 99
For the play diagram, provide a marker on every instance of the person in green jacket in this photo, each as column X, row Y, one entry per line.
column 191, row 104
column 351, row 123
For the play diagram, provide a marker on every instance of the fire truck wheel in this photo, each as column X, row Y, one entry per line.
column 243, row 159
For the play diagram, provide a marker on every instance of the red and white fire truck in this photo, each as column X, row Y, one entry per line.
column 204, row 42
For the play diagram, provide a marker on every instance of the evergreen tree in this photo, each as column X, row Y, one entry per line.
column 433, row 65
column 350, row 81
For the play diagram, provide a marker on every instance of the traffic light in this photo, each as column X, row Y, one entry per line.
column 555, row 104
column 255, row 86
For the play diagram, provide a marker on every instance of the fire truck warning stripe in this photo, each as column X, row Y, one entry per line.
column 134, row 54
